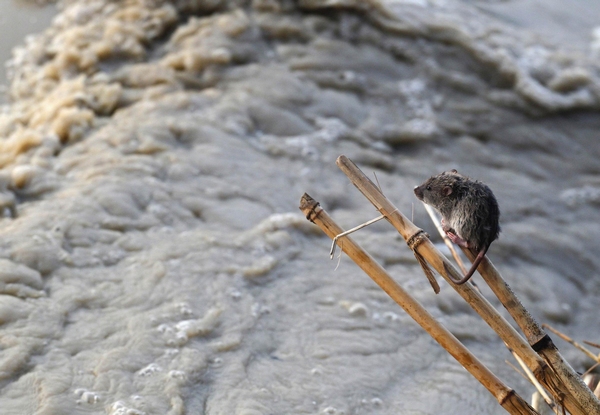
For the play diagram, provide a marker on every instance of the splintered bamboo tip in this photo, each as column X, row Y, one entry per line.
column 308, row 206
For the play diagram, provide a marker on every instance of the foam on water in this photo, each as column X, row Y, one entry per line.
column 152, row 257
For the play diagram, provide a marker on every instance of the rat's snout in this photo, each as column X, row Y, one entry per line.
column 418, row 192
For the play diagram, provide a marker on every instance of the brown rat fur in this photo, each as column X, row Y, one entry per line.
column 470, row 213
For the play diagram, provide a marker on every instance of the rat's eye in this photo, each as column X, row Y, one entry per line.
column 428, row 188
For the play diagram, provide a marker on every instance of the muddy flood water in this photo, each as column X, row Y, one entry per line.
column 153, row 259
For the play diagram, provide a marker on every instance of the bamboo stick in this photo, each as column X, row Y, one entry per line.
column 593, row 344
column 447, row 241
column 527, row 323
column 560, row 379
column 505, row 396
column 579, row 346
column 538, row 387
column 574, row 389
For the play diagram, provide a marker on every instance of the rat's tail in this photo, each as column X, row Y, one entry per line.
column 476, row 263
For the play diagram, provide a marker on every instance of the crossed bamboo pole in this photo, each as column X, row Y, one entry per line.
column 505, row 396
column 547, row 364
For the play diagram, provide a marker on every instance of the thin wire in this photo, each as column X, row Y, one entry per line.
column 333, row 243
column 340, row 256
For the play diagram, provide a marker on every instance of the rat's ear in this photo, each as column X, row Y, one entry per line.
column 454, row 171
column 447, row 190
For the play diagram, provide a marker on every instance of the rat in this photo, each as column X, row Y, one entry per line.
column 470, row 213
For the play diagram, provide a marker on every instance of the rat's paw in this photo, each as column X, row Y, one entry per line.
column 457, row 239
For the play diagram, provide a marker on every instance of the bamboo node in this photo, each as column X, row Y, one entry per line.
column 310, row 206
column 542, row 344
column 415, row 240
column 413, row 243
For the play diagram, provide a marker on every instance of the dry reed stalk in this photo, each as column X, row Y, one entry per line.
column 589, row 343
column 589, row 371
column 557, row 375
column 447, row 241
column 588, row 378
column 505, row 396
column 579, row 346
column 562, row 376
column 538, row 387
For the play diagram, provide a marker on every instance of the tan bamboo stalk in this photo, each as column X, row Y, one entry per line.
column 447, row 241
column 593, row 344
column 563, row 373
column 584, row 349
column 536, row 337
column 565, row 385
column 505, row 396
